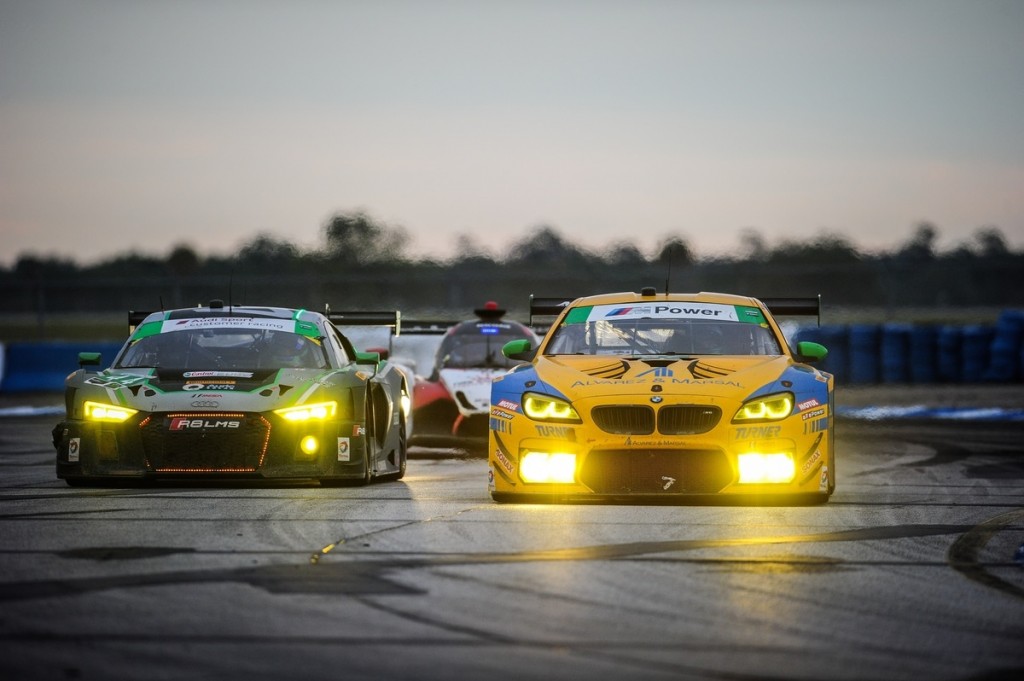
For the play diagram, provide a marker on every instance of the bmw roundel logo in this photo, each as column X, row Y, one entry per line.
column 657, row 399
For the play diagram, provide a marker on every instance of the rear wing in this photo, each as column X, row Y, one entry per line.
column 389, row 318
column 809, row 307
column 547, row 307
column 428, row 327
column 135, row 318
column 803, row 307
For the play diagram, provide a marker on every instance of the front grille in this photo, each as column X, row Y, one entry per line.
column 656, row 471
column 672, row 419
column 206, row 445
column 626, row 419
column 687, row 419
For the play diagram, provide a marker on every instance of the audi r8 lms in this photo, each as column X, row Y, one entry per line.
column 636, row 395
column 451, row 404
column 249, row 392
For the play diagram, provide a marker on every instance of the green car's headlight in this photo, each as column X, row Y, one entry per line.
column 767, row 408
column 309, row 412
column 545, row 408
column 97, row 411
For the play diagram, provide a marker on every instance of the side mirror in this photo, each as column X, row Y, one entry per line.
column 519, row 349
column 89, row 359
column 811, row 352
column 367, row 357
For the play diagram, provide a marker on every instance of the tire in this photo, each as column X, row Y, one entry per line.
column 403, row 452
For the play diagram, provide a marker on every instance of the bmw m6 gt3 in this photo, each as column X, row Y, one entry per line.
column 633, row 395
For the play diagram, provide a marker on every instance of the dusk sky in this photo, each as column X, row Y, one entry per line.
column 138, row 125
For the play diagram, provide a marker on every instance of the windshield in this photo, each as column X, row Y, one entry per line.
column 665, row 336
column 224, row 348
column 478, row 347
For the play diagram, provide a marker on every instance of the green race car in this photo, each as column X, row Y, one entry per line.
column 236, row 392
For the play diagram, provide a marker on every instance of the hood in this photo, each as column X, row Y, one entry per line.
column 251, row 391
column 725, row 376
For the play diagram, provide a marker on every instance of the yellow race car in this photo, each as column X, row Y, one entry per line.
column 659, row 395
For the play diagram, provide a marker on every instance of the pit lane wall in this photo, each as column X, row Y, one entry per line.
column 859, row 354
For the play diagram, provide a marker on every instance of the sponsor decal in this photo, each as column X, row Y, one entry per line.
column 706, row 381
column 504, row 461
column 509, row 404
column 490, row 479
column 757, row 432
column 205, row 404
column 219, row 374
column 344, row 449
column 672, row 311
column 814, row 414
column 186, row 423
column 74, row 447
column 801, row 406
column 630, row 442
column 823, row 482
column 116, row 381
column 668, row 482
column 358, row 430
column 629, row 311
column 816, row 426
column 657, row 371
column 230, row 385
column 500, row 425
column 810, row 462
column 502, row 414
column 227, row 323
column 560, row 432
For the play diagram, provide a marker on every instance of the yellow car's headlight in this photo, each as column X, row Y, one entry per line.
column 768, row 408
column 544, row 408
column 111, row 413
column 309, row 412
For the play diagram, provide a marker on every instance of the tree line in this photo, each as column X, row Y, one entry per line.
column 365, row 264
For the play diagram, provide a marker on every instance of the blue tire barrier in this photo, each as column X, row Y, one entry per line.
column 948, row 346
column 42, row 367
column 975, row 352
column 923, row 354
column 895, row 352
column 1005, row 351
column 864, row 350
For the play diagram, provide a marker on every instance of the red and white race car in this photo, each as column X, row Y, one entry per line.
column 451, row 404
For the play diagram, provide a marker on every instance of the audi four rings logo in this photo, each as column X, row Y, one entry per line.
column 205, row 403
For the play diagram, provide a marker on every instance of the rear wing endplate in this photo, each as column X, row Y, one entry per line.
column 803, row 307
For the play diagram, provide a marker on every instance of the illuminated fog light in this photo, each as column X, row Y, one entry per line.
column 766, row 468
column 309, row 445
column 95, row 411
column 309, row 412
column 547, row 467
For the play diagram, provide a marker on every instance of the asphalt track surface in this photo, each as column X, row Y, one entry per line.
column 914, row 570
